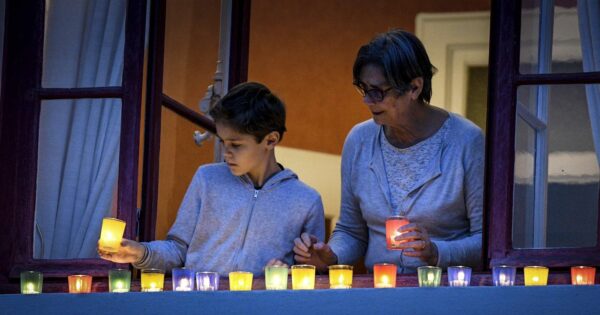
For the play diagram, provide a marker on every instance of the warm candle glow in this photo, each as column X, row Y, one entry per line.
column 240, row 281
column 111, row 235
column 276, row 277
column 80, row 284
column 582, row 275
column 152, row 280
column 119, row 280
column 535, row 275
column 303, row 277
column 340, row 277
column 31, row 282
column 392, row 224
column 384, row 275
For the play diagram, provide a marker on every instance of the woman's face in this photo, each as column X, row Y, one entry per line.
column 393, row 106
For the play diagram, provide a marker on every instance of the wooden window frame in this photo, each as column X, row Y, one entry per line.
column 22, row 94
column 504, row 80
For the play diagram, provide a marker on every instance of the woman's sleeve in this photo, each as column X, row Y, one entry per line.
column 170, row 253
column 467, row 251
column 350, row 236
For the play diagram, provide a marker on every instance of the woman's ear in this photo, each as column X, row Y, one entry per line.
column 416, row 87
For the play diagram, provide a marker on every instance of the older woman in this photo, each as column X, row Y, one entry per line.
column 411, row 159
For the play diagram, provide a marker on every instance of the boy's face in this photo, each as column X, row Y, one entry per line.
column 241, row 151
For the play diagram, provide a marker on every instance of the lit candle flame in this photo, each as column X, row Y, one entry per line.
column 78, row 284
column 29, row 288
column 430, row 276
column 535, row 279
column 385, row 279
column 206, row 282
column 119, row 285
column 184, row 283
column 460, row 276
column 579, row 279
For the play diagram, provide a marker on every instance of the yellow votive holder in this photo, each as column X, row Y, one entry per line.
column 240, row 281
column 340, row 277
column 303, row 277
column 429, row 276
column 31, row 282
column 153, row 280
column 80, row 284
column 276, row 277
column 583, row 275
column 384, row 275
column 111, row 235
column 535, row 275
column 119, row 280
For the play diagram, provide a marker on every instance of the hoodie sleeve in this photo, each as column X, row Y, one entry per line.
column 315, row 223
column 467, row 250
column 171, row 253
column 350, row 237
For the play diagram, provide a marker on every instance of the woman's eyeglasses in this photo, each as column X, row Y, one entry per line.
column 375, row 94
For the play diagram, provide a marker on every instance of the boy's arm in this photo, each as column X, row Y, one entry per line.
column 171, row 253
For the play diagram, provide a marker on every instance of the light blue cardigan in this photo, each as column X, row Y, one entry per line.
column 224, row 224
column 448, row 201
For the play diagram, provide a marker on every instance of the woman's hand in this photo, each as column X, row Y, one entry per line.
column 129, row 252
column 309, row 250
column 416, row 243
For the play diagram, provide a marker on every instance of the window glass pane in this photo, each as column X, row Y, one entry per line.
column 570, row 213
column 551, row 38
column 83, row 44
column 78, row 162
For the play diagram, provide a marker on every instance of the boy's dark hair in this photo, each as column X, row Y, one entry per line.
column 252, row 109
column 402, row 57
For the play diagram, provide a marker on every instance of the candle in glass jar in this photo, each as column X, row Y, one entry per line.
column 535, row 275
column 207, row 281
column 111, row 235
column 183, row 279
column 153, row 280
column 459, row 276
column 392, row 224
column 276, row 277
column 80, row 283
column 429, row 276
column 384, row 275
column 31, row 282
column 340, row 277
column 240, row 281
column 583, row 275
column 303, row 277
column 119, row 280
column 504, row 275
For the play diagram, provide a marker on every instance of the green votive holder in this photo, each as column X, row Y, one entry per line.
column 119, row 280
column 429, row 276
column 31, row 282
column 276, row 277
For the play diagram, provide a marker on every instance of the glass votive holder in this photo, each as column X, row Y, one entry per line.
column 535, row 275
column 111, row 235
column 459, row 276
column 340, row 277
column 384, row 275
column 429, row 276
column 80, row 284
column 583, row 275
column 207, row 281
column 392, row 224
column 504, row 276
column 183, row 279
column 303, row 277
column 153, row 280
column 119, row 280
column 31, row 282
column 240, row 281
column 276, row 277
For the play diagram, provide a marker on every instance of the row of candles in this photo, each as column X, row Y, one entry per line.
column 303, row 278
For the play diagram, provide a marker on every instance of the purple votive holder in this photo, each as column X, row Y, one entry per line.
column 504, row 276
column 183, row 279
column 459, row 276
column 207, row 281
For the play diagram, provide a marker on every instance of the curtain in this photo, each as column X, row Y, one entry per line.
column 589, row 30
column 78, row 139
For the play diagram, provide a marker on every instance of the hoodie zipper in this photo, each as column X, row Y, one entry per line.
column 246, row 230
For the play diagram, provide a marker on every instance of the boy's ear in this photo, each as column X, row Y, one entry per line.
column 272, row 138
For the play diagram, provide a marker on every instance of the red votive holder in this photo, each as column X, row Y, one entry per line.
column 384, row 275
column 583, row 275
column 392, row 224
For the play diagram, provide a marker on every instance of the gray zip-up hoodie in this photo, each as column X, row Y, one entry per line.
column 447, row 202
column 224, row 224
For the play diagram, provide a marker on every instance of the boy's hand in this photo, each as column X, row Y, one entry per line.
column 129, row 252
column 276, row 263
column 309, row 250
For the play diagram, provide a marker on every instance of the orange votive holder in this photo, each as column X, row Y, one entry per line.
column 392, row 224
column 80, row 284
column 384, row 275
column 111, row 235
column 535, row 275
column 583, row 275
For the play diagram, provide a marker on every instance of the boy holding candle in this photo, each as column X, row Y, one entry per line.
column 241, row 214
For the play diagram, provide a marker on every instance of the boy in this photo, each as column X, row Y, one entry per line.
column 241, row 214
